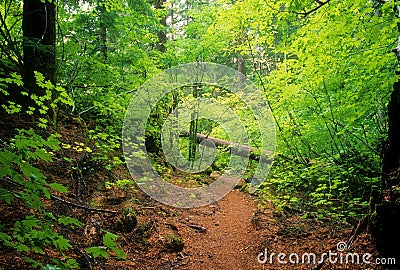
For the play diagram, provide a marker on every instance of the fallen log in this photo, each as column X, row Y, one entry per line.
column 235, row 148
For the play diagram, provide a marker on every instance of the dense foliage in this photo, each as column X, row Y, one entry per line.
column 326, row 69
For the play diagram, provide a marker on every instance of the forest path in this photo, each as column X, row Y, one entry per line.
column 222, row 235
column 231, row 233
column 230, row 240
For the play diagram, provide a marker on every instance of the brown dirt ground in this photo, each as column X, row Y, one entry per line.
column 219, row 236
column 226, row 235
column 232, row 232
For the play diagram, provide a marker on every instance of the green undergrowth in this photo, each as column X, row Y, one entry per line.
column 36, row 231
column 321, row 188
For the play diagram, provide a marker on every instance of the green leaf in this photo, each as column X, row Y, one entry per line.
column 73, row 222
column 98, row 251
column 50, row 267
column 39, row 78
column 5, row 238
column 6, row 195
column 33, row 262
column 21, row 247
column 58, row 187
column 37, row 249
column 120, row 253
column 109, row 240
column 30, row 222
column 62, row 244
column 29, row 171
column 72, row 263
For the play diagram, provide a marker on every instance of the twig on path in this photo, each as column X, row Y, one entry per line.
column 196, row 227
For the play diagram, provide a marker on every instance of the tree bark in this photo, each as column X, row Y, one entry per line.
column 385, row 214
column 103, row 30
column 39, row 40
column 241, row 150
column 391, row 158
column 162, row 36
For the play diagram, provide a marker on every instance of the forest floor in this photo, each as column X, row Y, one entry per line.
column 229, row 234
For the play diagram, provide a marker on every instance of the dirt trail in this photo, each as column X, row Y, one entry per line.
column 230, row 233
column 217, row 236
column 230, row 240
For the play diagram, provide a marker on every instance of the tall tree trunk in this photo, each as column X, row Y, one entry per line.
column 39, row 39
column 153, row 142
column 391, row 158
column 385, row 218
column 103, row 30
column 162, row 36
column 240, row 57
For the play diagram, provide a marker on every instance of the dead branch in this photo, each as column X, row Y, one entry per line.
column 82, row 206
column 55, row 197
column 196, row 227
column 320, row 5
